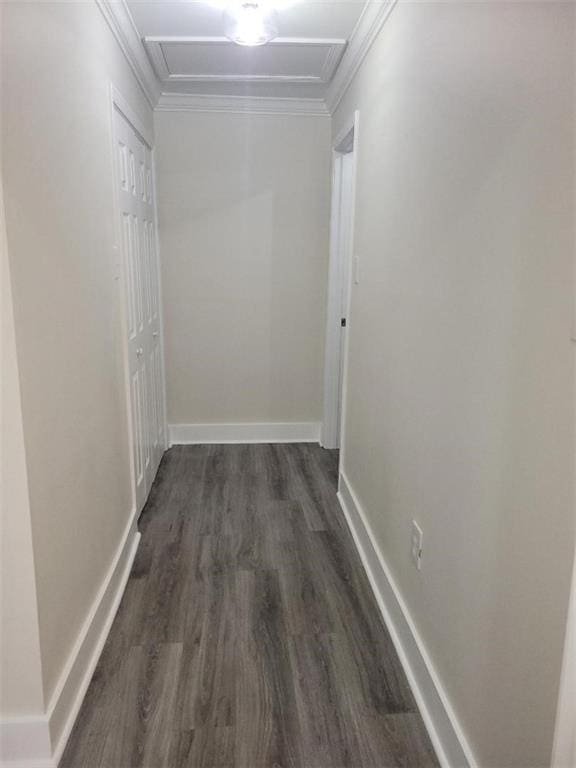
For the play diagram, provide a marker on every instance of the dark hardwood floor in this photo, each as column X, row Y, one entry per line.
column 248, row 636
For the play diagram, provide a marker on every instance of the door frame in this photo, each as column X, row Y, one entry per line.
column 564, row 749
column 118, row 103
column 336, row 354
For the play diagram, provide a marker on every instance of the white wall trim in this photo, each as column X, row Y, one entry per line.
column 257, row 105
column 446, row 733
column 258, row 432
column 371, row 21
column 124, row 106
column 120, row 21
column 27, row 742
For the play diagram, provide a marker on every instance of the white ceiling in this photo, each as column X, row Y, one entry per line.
column 184, row 41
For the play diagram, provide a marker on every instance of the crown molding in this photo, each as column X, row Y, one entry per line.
column 259, row 105
column 120, row 21
column 371, row 21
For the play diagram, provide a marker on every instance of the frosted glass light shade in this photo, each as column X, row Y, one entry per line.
column 248, row 23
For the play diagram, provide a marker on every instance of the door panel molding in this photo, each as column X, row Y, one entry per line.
column 137, row 271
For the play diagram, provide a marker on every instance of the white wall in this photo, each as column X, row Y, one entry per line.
column 459, row 403
column 57, row 63
column 243, row 219
column 20, row 671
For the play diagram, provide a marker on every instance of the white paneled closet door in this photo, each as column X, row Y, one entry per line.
column 140, row 277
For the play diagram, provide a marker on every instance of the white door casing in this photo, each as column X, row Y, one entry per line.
column 339, row 281
column 141, row 301
column 347, row 161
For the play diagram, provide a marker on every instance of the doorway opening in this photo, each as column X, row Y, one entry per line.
column 343, row 271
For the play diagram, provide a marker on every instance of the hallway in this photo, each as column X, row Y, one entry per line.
column 288, row 373
column 248, row 634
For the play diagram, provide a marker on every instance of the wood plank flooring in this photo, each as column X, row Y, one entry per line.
column 248, row 636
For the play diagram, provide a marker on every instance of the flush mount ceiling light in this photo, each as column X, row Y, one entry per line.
column 250, row 22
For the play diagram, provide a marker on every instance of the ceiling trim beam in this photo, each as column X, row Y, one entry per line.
column 192, row 102
column 371, row 21
column 119, row 19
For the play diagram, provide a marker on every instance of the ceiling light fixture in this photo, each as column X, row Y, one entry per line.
column 250, row 23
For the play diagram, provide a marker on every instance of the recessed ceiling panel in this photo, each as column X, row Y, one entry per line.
column 307, row 18
column 288, row 60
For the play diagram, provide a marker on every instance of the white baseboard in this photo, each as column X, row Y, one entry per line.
column 258, row 432
column 38, row 742
column 445, row 732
